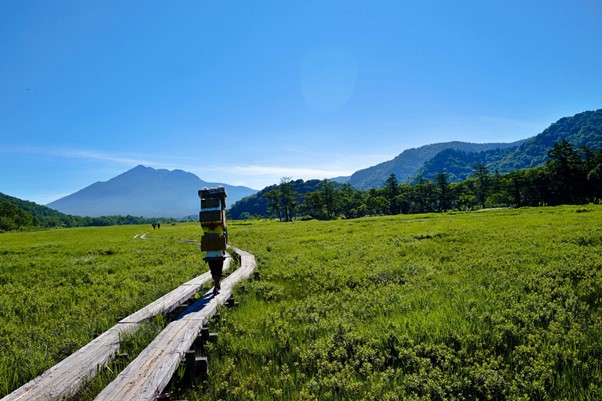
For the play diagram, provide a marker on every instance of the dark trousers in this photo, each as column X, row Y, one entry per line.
column 215, row 266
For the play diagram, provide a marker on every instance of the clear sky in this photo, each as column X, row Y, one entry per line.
column 247, row 92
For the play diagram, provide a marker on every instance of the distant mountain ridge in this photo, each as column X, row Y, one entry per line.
column 406, row 164
column 581, row 130
column 144, row 191
column 457, row 158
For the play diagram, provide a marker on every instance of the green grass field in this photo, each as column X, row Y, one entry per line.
column 489, row 305
column 60, row 287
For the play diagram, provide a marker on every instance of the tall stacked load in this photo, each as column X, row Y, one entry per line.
column 213, row 221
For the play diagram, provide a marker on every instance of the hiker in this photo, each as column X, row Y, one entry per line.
column 214, row 240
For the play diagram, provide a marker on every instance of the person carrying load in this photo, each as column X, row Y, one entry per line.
column 215, row 233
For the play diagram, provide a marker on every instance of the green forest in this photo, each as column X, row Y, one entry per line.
column 568, row 176
column 17, row 214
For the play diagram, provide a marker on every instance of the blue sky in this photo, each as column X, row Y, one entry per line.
column 247, row 92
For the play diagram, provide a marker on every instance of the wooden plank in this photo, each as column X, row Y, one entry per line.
column 175, row 298
column 146, row 377
column 64, row 379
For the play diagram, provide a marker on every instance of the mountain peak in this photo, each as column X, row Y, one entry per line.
column 143, row 191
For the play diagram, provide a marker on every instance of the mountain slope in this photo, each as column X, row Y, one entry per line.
column 143, row 191
column 458, row 164
column 581, row 130
column 50, row 218
column 45, row 215
column 405, row 165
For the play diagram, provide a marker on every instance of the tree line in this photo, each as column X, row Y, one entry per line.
column 569, row 176
column 17, row 214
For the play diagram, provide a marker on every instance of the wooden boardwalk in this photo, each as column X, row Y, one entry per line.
column 64, row 379
column 146, row 377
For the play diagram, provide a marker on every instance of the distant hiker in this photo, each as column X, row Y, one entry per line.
column 158, row 225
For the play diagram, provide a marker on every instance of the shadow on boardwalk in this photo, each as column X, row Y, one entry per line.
column 197, row 306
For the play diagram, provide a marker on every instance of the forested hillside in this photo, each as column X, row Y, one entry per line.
column 45, row 216
column 581, row 130
column 264, row 202
column 13, row 217
column 457, row 164
column 405, row 165
column 568, row 176
column 18, row 214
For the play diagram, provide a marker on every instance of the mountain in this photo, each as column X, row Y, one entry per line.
column 406, row 164
column 340, row 180
column 581, row 130
column 459, row 164
column 458, row 158
column 143, row 191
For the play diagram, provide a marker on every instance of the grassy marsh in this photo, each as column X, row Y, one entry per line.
column 61, row 287
column 497, row 304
